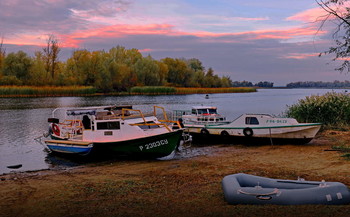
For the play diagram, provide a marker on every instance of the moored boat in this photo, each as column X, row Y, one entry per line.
column 249, row 189
column 206, row 125
column 255, row 128
column 120, row 130
column 199, row 117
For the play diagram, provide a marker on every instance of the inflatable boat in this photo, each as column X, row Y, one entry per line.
column 248, row 189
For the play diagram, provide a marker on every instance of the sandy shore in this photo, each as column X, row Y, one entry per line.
column 188, row 186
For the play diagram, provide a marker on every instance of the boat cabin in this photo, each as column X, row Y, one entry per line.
column 263, row 120
column 199, row 115
column 102, row 123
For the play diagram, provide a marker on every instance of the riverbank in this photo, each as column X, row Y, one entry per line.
column 55, row 91
column 188, row 186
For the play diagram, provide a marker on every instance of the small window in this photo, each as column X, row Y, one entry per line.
column 251, row 120
column 212, row 111
column 115, row 125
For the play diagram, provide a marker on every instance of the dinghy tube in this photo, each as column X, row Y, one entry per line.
column 242, row 188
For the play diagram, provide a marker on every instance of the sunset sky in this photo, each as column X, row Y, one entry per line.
column 254, row 40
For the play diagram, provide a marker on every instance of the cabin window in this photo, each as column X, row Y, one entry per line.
column 251, row 120
column 194, row 112
column 151, row 126
column 202, row 111
column 115, row 125
column 212, row 111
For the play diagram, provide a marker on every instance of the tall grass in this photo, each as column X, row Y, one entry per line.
column 331, row 109
column 32, row 91
column 158, row 90
column 152, row 90
column 184, row 90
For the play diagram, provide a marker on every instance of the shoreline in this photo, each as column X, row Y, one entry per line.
column 181, row 187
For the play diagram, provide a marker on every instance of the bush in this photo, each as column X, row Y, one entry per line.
column 10, row 80
column 332, row 109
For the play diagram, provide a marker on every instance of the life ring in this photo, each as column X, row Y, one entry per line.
column 248, row 132
column 56, row 129
column 204, row 131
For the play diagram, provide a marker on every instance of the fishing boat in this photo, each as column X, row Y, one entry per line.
column 199, row 117
column 243, row 188
column 263, row 128
column 205, row 124
column 121, row 130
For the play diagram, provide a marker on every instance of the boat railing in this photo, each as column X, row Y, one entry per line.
column 140, row 114
column 165, row 117
column 177, row 114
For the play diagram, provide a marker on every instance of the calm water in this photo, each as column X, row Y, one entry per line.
column 24, row 119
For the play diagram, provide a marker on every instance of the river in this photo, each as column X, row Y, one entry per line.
column 24, row 119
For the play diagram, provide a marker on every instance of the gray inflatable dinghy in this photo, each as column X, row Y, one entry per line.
column 242, row 188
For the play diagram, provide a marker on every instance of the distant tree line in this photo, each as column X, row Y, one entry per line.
column 319, row 84
column 118, row 69
column 250, row 84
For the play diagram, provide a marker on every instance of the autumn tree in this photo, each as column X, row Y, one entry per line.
column 37, row 72
column 51, row 52
column 338, row 13
column 2, row 56
column 17, row 65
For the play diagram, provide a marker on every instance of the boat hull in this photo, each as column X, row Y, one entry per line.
column 300, row 134
column 69, row 147
column 149, row 147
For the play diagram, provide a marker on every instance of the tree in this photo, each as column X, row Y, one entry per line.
column 338, row 12
column 51, row 52
column 2, row 56
column 37, row 73
column 18, row 65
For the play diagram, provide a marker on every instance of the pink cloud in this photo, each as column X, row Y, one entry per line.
column 299, row 56
column 310, row 15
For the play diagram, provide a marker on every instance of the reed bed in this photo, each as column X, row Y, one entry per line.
column 188, row 90
column 33, row 91
column 331, row 109
column 152, row 90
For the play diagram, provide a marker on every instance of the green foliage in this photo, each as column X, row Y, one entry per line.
column 17, row 64
column 119, row 69
column 331, row 109
column 10, row 80
column 13, row 91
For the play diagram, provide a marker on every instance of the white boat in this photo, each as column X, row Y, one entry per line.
column 265, row 128
column 112, row 129
column 205, row 124
column 198, row 117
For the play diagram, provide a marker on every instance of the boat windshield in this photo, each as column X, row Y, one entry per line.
column 212, row 111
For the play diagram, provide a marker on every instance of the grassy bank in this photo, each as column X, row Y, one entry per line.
column 189, row 186
column 215, row 90
column 48, row 91
column 188, row 90
column 32, row 91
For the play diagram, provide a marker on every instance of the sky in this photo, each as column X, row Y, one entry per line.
column 271, row 40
